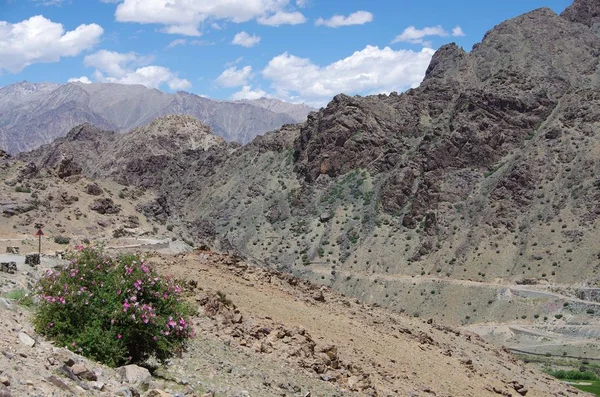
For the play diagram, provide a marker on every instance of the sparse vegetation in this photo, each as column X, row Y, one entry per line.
column 62, row 240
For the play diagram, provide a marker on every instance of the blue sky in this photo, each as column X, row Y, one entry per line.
column 295, row 50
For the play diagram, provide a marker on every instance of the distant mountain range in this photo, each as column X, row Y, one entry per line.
column 32, row 114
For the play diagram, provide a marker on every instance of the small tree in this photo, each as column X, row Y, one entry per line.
column 115, row 311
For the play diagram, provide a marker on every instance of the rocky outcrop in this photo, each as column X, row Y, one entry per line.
column 586, row 12
column 105, row 206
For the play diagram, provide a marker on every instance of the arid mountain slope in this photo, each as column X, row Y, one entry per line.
column 33, row 114
column 430, row 202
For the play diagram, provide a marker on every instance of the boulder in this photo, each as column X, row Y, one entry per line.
column 93, row 189
column 32, row 259
column 82, row 372
column 105, row 206
column 135, row 375
column 68, row 167
column 8, row 267
column 25, row 339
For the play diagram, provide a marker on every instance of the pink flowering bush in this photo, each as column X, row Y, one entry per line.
column 116, row 311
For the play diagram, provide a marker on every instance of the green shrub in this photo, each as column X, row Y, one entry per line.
column 22, row 189
column 115, row 311
column 21, row 296
column 62, row 240
column 573, row 375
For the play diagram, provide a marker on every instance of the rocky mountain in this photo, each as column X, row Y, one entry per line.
column 444, row 201
column 33, row 114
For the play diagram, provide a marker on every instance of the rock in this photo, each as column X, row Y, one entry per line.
column 82, row 372
column 12, row 250
column 5, row 380
column 68, row 167
column 157, row 393
column 124, row 391
column 135, row 375
column 5, row 304
column 325, row 216
column 58, row 383
column 26, row 340
column 63, row 357
column 4, row 392
column 318, row 296
column 93, row 189
column 8, row 267
column 98, row 386
column 32, row 259
column 105, row 206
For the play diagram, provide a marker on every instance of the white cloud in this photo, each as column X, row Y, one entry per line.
column 153, row 77
column 131, row 68
column 39, row 40
column 234, row 77
column 458, row 32
column 177, row 42
column 416, row 36
column 302, row 3
column 283, row 18
column 115, row 64
column 370, row 70
column 245, row 40
column 82, row 79
column 185, row 16
column 247, row 93
column 356, row 18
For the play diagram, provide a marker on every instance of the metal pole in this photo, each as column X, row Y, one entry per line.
column 40, row 247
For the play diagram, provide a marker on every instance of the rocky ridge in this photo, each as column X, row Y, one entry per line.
column 37, row 113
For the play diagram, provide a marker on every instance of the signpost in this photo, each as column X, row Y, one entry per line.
column 40, row 233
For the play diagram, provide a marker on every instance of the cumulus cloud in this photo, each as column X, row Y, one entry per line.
column 248, row 93
column 185, row 16
column 356, row 18
column 131, row 68
column 283, row 18
column 245, row 40
column 82, row 79
column 417, row 36
column 39, row 40
column 234, row 77
column 370, row 70
column 458, row 32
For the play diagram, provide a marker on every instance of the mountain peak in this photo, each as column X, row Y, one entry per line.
column 586, row 12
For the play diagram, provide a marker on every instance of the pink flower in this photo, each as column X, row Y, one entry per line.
column 126, row 305
column 119, row 336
